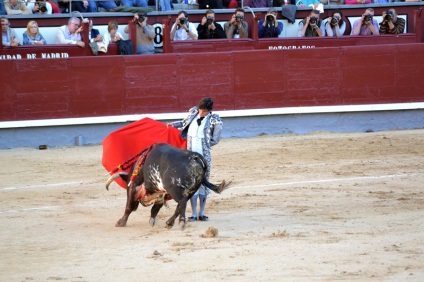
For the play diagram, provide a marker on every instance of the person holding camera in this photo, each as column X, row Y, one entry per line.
column 391, row 24
column 15, row 7
column 208, row 28
column 145, row 34
column 270, row 27
column 32, row 35
column 237, row 27
column 202, row 130
column 335, row 25
column 311, row 26
column 366, row 25
column 40, row 7
column 70, row 33
column 183, row 29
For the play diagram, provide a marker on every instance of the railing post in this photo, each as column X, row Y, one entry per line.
column 166, row 29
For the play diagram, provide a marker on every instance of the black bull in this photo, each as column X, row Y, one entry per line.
column 166, row 171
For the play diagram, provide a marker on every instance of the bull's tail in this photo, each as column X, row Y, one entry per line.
column 217, row 188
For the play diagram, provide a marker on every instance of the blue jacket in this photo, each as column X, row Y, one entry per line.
column 264, row 31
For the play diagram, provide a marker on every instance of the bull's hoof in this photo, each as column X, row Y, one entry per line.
column 121, row 223
column 152, row 221
column 167, row 226
column 182, row 223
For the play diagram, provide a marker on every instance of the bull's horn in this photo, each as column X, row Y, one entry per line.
column 113, row 177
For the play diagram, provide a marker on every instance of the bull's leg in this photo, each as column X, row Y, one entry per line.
column 182, row 209
column 170, row 222
column 154, row 212
column 132, row 204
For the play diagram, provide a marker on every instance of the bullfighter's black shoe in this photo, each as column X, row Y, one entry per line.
column 203, row 218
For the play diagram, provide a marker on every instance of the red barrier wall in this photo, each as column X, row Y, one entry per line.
column 119, row 85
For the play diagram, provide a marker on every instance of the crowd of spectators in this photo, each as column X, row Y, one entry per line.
column 182, row 29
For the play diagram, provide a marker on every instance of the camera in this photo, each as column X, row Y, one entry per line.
column 239, row 18
column 209, row 20
column 141, row 19
column 334, row 20
column 269, row 18
column 389, row 16
column 313, row 20
column 182, row 21
column 41, row 6
column 367, row 18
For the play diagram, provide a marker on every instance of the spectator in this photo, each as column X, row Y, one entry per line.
column 237, row 27
column 134, row 3
column 208, row 28
column 366, row 25
column 145, row 34
column 270, row 27
column 94, row 34
column 15, row 7
column 311, row 26
column 113, row 34
column 64, row 6
column 55, row 7
column 40, row 7
column 81, row 6
column 391, row 24
column 32, row 35
column 8, row 35
column 210, row 4
column 335, row 25
column 183, row 29
column 353, row 2
column 202, row 129
column 109, row 6
column 71, row 33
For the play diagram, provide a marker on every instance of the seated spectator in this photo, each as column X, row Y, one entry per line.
column 39, row 7
column 391, row 24
column 84, row 6
column 353, row 2
column 335, row 25
column 366, row 25
column 71, row 33
column 182, row 28
column 208, row 28
column 210, row 4
column 237, row 27
column 15, row 7
column 113, row 34
column 270, row 27
column 32, row 35
column 311, row 26
column 134, row 3
column 145, row 34
column 55, row 7
column 109, row 6
column 8, row 35
column 94, row 34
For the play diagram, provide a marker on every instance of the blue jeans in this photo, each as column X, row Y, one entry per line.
column 165, row 5
column 107, row 5
column 2, row 9
column 134, row 3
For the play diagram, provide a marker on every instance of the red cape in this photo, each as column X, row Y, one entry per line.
column 130, row 140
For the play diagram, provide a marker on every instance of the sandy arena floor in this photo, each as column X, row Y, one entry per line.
column 321, row 206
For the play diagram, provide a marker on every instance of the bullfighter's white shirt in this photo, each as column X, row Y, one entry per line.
column 196, row 133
